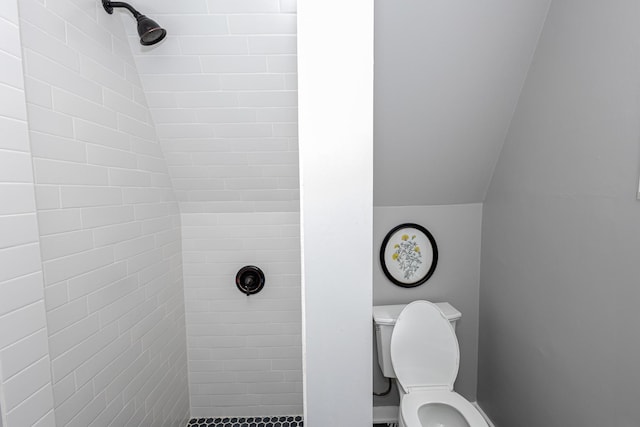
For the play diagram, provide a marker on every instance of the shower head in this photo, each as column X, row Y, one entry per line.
column 148, row 29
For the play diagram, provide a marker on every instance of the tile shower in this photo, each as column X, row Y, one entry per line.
column 156, row 176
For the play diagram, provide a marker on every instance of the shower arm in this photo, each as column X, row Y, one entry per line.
column 109, row 5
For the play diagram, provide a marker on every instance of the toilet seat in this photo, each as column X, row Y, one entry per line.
column 412, row 402
column 424, row 348
column 426, row 357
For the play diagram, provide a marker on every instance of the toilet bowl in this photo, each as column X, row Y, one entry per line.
column 437, row 408
column 425, row 357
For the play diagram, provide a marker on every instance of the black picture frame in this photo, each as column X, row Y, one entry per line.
column 409, row 255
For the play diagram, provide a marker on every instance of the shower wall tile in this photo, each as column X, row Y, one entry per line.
column 109, row 246
column 262, row 24
column 242, row 348
column 9, row 13
column 248, row 6
column 12, row 70
column 48, row 70
column 46, row 121
column 221, row 82
column 222, row 91
column 285, row 45
column 26, row 396
column 213, row 45
column 288, row 6
column 49, row 46
column 15, row 136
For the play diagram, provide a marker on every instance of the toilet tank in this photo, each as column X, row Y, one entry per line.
column 384, row 318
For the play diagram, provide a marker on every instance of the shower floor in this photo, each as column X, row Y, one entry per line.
column 286, row 421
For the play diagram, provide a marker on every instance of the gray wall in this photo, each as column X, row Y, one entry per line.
column 447, row 79
column 456, row 229
column 561, row 232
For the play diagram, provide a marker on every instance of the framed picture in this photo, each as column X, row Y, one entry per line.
column 408, row 255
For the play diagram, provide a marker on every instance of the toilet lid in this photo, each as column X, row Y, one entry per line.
column 424, row 347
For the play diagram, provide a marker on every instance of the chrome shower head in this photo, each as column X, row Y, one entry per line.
column 148, row 29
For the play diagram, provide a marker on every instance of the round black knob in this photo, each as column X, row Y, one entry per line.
column 250, row 280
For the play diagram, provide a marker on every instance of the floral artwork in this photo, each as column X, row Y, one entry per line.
column 407, row 255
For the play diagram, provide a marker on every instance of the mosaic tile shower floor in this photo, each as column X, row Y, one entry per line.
column 289, row 421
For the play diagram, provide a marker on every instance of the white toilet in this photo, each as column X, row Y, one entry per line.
column 425, row 357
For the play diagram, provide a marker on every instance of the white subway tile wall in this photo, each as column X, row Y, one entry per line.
column 245, row 354
column 222, row 91
column 26, row 396
column 109, row 224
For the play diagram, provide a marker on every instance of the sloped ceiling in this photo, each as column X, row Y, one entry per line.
column 448, row 75
column 222, row 91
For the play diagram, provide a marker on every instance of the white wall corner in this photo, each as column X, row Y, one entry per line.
column 335, row 69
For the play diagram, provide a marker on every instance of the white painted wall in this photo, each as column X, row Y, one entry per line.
column 25, row 379
column 559, row 292
column 108, row 221
column 456, row 279
column 335, row 60
column 245, row 352
column 448, row 77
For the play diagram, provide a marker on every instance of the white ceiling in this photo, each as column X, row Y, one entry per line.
column 447, row 79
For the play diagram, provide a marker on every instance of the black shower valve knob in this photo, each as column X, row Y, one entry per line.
column 250, row 280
